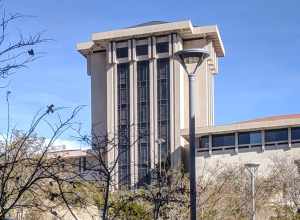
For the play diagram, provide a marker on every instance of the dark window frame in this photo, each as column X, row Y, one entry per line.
column 163, row 69
column 295, row 133
column 204, row 142
column 122, row 52
column 225, row 138
column 142, row 50
column 276, row 135
column 249, row 141
column 162, row 47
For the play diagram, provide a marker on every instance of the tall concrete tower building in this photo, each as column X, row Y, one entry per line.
column 140, row 92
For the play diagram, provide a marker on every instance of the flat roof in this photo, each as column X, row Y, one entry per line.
column 68, row 153
column 273, row 118
column 272, row 122
column 152, row 28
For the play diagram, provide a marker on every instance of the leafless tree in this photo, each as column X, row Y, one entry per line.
column 100, row 174
column 16, row 50
column 167, row 194
column 285, row 179
column 27, row 169
column 224, row 192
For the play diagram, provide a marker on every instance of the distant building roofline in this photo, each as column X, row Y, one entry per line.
column 272, row 118
column 149, row 23
column 68, row 153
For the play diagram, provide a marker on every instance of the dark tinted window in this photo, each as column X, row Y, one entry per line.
column 223, row 140
column 143, row 121
column 296, row 133
column 162, row 47
column 204, row 142
column 276, row 135
column 163, row 105
column 250, row 137
column 123, row 124
column 122, row 52
column 164, row 91
column 141, row 50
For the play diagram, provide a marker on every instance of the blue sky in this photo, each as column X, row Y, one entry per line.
column 259, row 76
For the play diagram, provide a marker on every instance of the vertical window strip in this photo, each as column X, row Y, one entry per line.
column 123, row 124
column 143, row 104
column 163, row 107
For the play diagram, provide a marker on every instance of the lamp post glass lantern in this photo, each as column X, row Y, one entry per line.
column 191, row 60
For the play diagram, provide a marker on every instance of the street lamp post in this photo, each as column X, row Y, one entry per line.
column 252, row 168
column 191, row 59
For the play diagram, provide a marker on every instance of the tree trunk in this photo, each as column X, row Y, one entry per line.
column 156, row 211
column 106, row 197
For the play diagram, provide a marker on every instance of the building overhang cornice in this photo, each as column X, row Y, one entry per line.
column 211, row 33
column 156, row 29
column 85, row 47
column 243, row 127
column 184, row 28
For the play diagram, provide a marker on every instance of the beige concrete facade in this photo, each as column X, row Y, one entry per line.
column 265, row 158
column 102, row 64
column 264, row 152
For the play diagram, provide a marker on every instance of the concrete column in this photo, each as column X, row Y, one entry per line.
column 133, row 123
column 136, row 151
column 153, row 47
column 289, row 137
column 152, row 114
column 176, row 91
column 236, row 142
column 109, row 53
column 170, row 45
column 208, row 85
column 129, row 50
column 154, row 101
column 213, row 99
column 172, row 110
column 262, row 140
column 133, row 53
column 149, row 48
column 115, row 112
column 114, row 53
column 210, row 145
column 110, row 107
